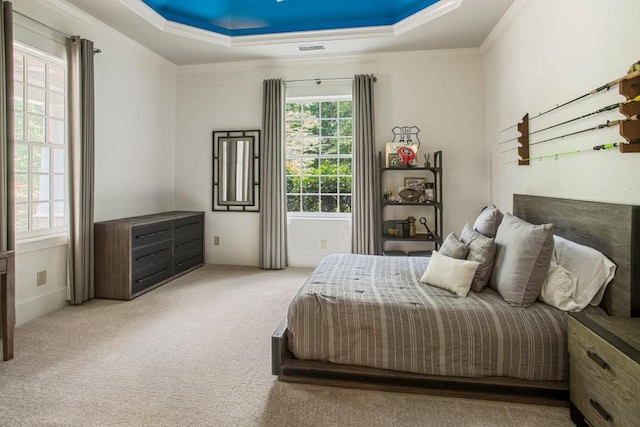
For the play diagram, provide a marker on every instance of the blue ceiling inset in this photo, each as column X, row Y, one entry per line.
column 255, row 17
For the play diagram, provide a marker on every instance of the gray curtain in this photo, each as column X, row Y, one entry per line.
column 273, row 205
column 366, row 194
column 81, row 169
column 7, row 208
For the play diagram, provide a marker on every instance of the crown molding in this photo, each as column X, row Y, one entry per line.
column 507, row 21
column 367, row 58
column 422, row 17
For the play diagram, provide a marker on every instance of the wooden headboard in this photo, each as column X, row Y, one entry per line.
column 610, row 228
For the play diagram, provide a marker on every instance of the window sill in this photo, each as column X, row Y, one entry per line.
column 318, row 217
column 40, row 243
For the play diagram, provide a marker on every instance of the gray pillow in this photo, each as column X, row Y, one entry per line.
column 523, row 254
column 488, row 221
column 482, row 249
column 453, row 248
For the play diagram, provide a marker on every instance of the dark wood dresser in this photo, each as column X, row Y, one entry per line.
column 604, row 370
column 135, row 255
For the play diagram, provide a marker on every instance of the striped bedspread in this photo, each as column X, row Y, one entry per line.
column 373, row 311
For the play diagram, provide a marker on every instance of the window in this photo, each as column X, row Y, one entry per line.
column 40, row 141
column 318, row 140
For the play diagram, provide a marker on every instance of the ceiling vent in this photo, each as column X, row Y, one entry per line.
column 311, row 48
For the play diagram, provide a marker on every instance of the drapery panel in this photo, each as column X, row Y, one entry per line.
column 7, row 208
column 81, row 169
column 273, row 207
column 365, row 210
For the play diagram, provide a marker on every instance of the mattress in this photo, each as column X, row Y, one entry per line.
column 374, row 311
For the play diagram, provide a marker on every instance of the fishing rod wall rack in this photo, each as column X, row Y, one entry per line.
column 630, row 130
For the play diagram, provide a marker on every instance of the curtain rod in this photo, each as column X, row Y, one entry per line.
column 318, row 81
column 66, row 36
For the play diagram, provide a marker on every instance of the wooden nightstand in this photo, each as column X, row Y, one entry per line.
column 604, row 370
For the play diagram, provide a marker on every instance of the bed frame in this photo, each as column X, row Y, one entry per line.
column 611, row 228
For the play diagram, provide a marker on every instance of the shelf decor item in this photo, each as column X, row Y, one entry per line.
column 405, row 144
column 393, row 160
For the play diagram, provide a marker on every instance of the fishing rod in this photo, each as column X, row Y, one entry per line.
column 564, row 153
column 599, row 111
column 604, row 87
column 602, row 126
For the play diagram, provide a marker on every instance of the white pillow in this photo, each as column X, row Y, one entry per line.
column 559, row 287
column 452, row 274
column 593, row 269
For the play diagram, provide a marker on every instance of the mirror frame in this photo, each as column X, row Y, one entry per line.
column 248, row 206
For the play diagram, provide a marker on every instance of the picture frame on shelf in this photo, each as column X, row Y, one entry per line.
column 393, row 160
column 416, row 183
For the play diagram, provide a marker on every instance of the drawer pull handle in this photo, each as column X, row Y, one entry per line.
column 598, row 360
column 144, row 279
column 144, row 236
column 604, row 414
column 187, row 225
column 140, row 258
column 187, row 243
column 180, row 264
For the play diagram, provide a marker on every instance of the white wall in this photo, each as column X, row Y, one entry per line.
column 441, row 92
column 135, row 133
column 544, row 53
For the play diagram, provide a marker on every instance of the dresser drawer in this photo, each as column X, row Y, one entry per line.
column 189, row 225
column 146, row 257
column 143, row 279
column 604, row 382
column 188, row 245
column 143, row 235
column 187, row 263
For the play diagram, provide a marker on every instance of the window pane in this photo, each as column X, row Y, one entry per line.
column 294, row 167
column 40, row 160
column 58, row 214
column 329, row 203
column 345, row 109
column 310, row 203
column 293, row 127
column 311, row 110
column 346, row 145
column 36, row 100
column 40, row 216
column 22, row 188
column 35, row 72
column 58, row 187
column 345, row 184
column 19, row 127
column 293, row 108
column 329, row 166
column 22, row 218
column 329, row 109
column 311, row 146
column 293, row 146
column 56, row 105
column 345, row 204
column 56, row 132
column 311, row 127
column 56, row 78
column 346, row 127
column 310, row 167
column 18, row 67
column 293, row 203
column 345, row 167
column 293, row 184
column 22, row 158
column 36, row 129
column 329, row 127
column 310, row 184
column 58, row 160
column 18, row 97
column 40, row 185
column 329, row 184
column 329, row 146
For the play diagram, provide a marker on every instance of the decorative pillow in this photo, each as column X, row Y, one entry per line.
column 523, row 255
column 452, row 274
column 488, row 221
column 482, row 250
column 454, row 248
column 594, row 270
column 559, row 287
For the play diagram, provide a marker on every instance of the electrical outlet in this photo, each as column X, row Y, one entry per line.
column 323, row 245
column 216, row 240
column 42, row 278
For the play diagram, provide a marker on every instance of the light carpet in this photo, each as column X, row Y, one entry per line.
column 196, row 351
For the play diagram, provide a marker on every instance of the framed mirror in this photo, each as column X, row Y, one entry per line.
column 236, row 170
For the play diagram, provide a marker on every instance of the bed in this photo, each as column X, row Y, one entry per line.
column 420, row 350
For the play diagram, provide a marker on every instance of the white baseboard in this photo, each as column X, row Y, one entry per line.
column 37, row 306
